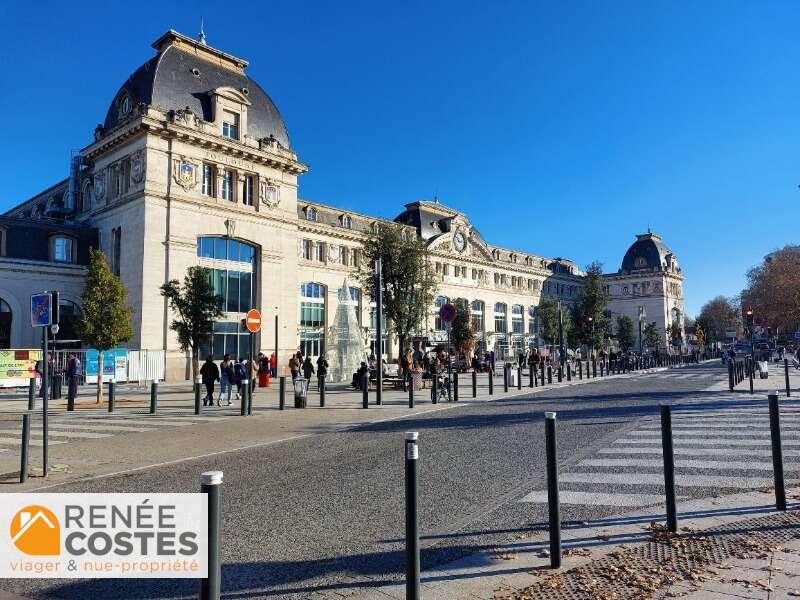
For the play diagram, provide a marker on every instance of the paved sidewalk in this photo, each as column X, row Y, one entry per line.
column 732, row 547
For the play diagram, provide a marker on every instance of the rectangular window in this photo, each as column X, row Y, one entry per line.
column 247, row 190
column 319, row 251
column 208, row 181
column 230, row 125
column 307, row 249
column 445, row 270
column 226, row 193
column 312, row 343
column 62, row 249
column 245, row 291
column 125, row 176
column 233, row 291
column 312, row 314
column 115, row 181
column 356, row 257
column 116, row 249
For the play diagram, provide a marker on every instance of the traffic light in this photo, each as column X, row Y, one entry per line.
column 749, row 317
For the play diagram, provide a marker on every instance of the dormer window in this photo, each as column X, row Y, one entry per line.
column 62, row 249
column 230, row 125
column 346, row 221
column 311, row 213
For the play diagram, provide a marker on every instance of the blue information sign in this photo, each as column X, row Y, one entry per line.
column 41, row 310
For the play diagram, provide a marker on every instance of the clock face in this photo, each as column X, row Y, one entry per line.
column 460, row 241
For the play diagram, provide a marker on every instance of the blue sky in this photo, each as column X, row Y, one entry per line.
column 561, row 128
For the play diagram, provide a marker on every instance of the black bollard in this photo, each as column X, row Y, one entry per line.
column 281, row 393
column 111, row 396
column 413, row 587
column 243, row 407
column 455, row 387
column 505, row 378
column 669, row 466
column 751, row 373
column 196, row 398
column 211, row 485
column 365, row 391
column 31, row 393
column 411, row 394
column 560, row 374
column 250, row 392
column 730, row 376
column 519, row 378
column 541, row 371
column 552, row 490
column 602, row 371
column 532, row 376
column 786, row 375
column 435, row 389
column 321, row 384
column 26, row 442
column 474, row 384
column 549, row 374
column 491, row 382
column 580, row 370
column 594, row 368
column 777, row 451
column 569, row 372
column 153, row 397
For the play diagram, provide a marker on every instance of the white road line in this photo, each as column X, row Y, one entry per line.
column 761, row 424
column 72, row 434
column 63, row 425
column 656, row 450
column 682, row 431
column 596, row 498
column 692, row 441
column 658, row 479
column 686, row 463
column 17, row 442
column 153, row 421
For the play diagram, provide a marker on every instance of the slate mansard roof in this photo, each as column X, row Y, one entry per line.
column 178, row 77
column 647, row 252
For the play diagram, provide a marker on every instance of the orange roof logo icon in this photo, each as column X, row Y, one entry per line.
column 35, row 530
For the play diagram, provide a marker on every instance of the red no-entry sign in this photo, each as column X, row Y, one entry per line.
column 252, row 320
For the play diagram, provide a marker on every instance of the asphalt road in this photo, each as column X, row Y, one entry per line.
column 312, row 515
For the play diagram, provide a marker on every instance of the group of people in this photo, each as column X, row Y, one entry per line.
column 234, row 372
column 299, row 366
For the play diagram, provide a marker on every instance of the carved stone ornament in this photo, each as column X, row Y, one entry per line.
column 137, row 167
column 185, row 173
column 269, row 194
column 333, row 252
column 100, row 185
column 230, row 228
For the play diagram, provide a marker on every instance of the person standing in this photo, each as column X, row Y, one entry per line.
column 322, row 369
column 263, row 370
column 209, row 373
column 308, row 370
column 73, row 374
column 273, row 364
column 226, row 379
column 294, row 366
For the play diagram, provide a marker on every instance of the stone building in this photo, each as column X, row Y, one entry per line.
column 193, row 165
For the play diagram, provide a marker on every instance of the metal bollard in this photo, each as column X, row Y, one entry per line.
column 196, row 398
column 491, row 382
column 243, row 403
column 552, row 490
column 786, row 375
column 31, row 393
column 569, row 372
column 413, row 587
column 321, row 383
column 474, row 384
column 505, row 378
column 752, row 372
column 532, row 376
column 669, row 466
column 211, row 485
column 435, row 389
column 560, row 374
column 541, row 371
column 730, row 376
column 455, row 387
column 153, row 397
column 594, row 368
column 602, row 371
column 282, row 393
column 411, row 394
column 250, row 391
column 549, row 374
column 777, row 451
column 580, row 370
column 112, row 395
column 26, row 442
column 519, row 378
column 365, row 391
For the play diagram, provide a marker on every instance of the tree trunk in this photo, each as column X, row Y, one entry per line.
column 195, row 367
column 401, row 339
column 99, row 398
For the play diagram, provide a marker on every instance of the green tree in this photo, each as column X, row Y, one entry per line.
column 462, row 335
column 700, row 335
column 106, row 321
column 675, row 333
column 588, row 312
column 409, row 280
column 716, row 315
column 196, row 305
column 547, row 315
column 625, row 332
column 652, row 337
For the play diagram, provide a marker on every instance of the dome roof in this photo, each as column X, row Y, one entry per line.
column 648, row 252
column 183, row 73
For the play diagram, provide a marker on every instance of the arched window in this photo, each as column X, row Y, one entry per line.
column 311, row 213
column 500, row 318
column 312, row 318
column 234, row 277
column 477, row 309
column 5, row 325
column 346, row 221
column 517, row 319
column 439, row 325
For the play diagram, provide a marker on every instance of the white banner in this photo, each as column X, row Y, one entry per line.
column 104, row 535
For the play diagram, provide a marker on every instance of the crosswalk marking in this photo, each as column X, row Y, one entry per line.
column 699, row 451
column 62, row 425
column 695, row 464
column 126, row 421
column 658, row 479
column 754, row 432
column 762, row 423
column 712, row 441
column 18, row 441
column 596, row 498
column 75, row 434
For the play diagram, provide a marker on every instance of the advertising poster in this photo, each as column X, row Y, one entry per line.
column 17, row 367
column 115, row 364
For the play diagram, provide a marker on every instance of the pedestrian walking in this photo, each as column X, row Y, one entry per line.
column 294, row 366
column 209, row 374
column 322, row 370
column 308, row 370
column 226, row 378
column 74, row 372
column 239, row 375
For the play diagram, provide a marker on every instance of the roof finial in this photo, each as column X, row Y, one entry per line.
column 202, row 38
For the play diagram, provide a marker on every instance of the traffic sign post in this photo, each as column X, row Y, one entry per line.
column 252, row 323
column 42, row 314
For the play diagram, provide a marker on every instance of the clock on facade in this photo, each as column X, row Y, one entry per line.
column 460, row 241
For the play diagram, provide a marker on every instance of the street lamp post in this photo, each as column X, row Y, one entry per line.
column 642, row 316
column 590, row 320
column 379, row 333
column 562, row 358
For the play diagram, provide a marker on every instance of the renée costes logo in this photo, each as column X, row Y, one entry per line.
column 104, row 535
